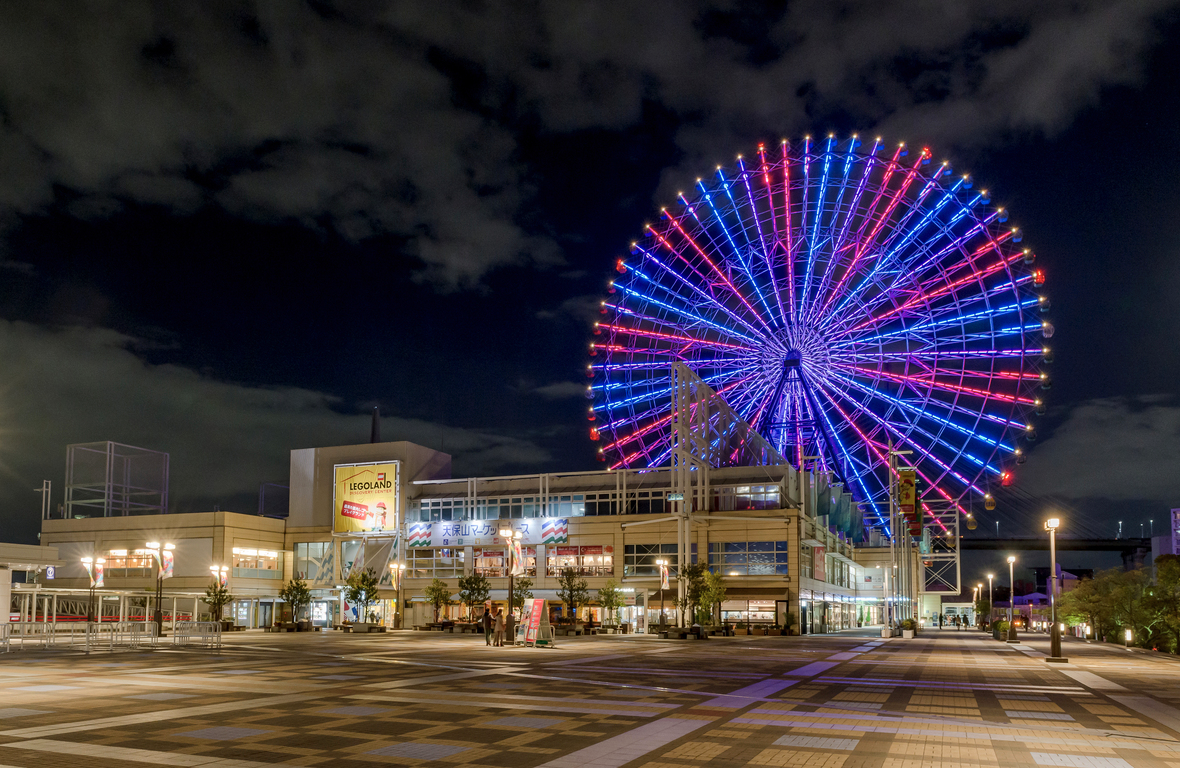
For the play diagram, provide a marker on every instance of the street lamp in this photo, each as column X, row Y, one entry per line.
column 979, row 616
column 91, row 564
column 1051, row 525
column 990, row 603
column 398, row 574
column 158, row 551
column 1011, row 599
column 511, row 537
column 663, row 564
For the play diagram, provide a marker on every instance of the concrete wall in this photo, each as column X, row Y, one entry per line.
column 313, row 481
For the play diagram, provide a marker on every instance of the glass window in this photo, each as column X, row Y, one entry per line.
column 313, row 560
column 255, row 563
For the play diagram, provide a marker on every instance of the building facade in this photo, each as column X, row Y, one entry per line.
column 773, row 532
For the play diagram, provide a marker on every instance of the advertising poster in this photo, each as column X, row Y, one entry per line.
column 166, row 564
column 365, row 500
column 96, row 579
column 907, row 492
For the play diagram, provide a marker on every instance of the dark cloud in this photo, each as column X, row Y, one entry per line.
column 561, row 390
column 77, row 385
column 406, row 118
column 1113, row 448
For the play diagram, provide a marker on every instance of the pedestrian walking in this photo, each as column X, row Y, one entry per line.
column 499, row 628
column 487, row 626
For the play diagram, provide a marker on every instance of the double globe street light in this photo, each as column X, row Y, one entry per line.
column 1051, row 525
column 158, row 551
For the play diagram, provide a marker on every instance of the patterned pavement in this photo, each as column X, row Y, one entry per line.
column 843, row 701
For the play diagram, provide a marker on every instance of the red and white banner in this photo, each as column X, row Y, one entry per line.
column 517, row 559
column 534, row 625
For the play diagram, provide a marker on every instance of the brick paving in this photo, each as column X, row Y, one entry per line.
column 840, row 701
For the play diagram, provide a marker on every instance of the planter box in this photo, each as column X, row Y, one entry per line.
column 741, row 631
column 886, row 632
column 908, row 634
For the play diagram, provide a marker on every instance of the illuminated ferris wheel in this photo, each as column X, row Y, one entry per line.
column 842, row 298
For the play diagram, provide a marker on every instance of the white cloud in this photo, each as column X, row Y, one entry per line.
column 1113, row 448
column 84, row 385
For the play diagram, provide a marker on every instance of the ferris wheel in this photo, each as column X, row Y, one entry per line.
column 845, row 299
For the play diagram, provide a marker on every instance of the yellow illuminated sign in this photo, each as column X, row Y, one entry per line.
column 366, row 496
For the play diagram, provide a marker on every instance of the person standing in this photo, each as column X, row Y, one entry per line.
column 487, row 626
column 499, row 628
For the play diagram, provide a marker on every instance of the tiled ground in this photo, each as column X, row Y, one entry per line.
column 949, row 698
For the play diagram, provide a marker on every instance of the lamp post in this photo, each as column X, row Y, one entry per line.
column 979, row 617
column 990, row 605
column 511, row 537
column 90, row 563
column 1051, row 525
column 398, row 573
column 1011, row 600
column 663, row 564
column 158, row 551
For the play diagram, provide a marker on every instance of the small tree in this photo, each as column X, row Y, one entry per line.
column 361, row 591
column 522, row 589
column 217, row 596
column 694, row 587
column 473, row 591
column 714, row 594
column 438, row 594
column 611, row 600
column 573, row 591
column 296, row 594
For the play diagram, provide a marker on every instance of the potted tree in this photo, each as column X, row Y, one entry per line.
column 438, row 594
column 296, row 594
column 217, row 596
column 473, row 591
column 789, row 622
column 573, row 592
column 908, row 627
column 361, row 591
column 610, row 599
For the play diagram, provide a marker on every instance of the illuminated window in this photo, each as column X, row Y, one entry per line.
column 135, row 562
column 254, row 563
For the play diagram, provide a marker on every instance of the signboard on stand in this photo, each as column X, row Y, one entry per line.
column 538, row 630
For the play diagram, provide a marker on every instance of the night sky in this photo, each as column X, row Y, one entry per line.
column 229, row 229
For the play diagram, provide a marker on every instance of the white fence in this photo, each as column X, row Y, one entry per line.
column 198, row 633
column 79, row 636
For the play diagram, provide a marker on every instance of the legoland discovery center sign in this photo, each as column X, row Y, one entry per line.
column 365, row 499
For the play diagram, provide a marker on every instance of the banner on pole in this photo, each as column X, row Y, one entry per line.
column 907, row 491
column 663, row 577
column 166, row 564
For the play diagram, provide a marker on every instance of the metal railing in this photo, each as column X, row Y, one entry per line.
column 198, row 633
column 78, row 636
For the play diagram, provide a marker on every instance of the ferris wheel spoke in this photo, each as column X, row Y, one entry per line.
column 924, row 411
column 913, row 271
column 709, row 301
column 907, row 438
column 716, row 270
column 743, row 263
column 864, row 244
column 767, row 253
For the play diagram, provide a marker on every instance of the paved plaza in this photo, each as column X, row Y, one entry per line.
column 839, row 701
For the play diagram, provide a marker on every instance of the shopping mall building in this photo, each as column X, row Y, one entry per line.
column 782, row 538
